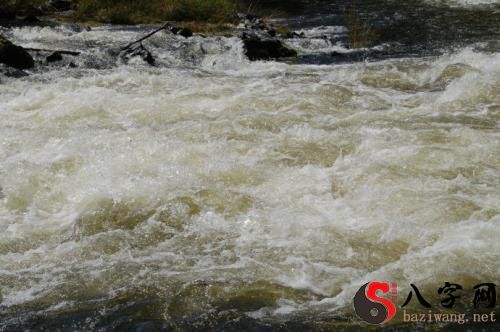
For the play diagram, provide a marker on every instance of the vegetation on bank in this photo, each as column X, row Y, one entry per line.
column 151, row 11
column 20, row 7
column 361, row 33
column 132, row 11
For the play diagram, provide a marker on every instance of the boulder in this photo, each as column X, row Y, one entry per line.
column 14, row 56
column 185, row 32
column 258, row 49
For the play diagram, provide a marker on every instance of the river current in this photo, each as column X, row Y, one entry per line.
column 213, row 193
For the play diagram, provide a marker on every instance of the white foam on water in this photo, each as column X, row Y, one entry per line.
column 313, row 178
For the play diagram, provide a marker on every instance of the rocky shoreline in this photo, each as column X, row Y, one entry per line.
column 366, row 35
column 261, row 41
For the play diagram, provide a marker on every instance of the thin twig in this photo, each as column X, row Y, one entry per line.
column 250, row 5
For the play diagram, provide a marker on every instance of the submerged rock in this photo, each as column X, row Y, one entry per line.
column 11, row 72
column 14, row 56
column 108, row 215
column 293, row 34
column 258, row 49
column 177, row 212
column 54, row 57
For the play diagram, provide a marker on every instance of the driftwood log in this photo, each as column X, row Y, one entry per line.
column 74, row 53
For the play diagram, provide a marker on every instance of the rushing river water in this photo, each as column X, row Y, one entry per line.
column 209, row 192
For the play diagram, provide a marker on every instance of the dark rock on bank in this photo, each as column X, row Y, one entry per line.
column 258, row 49
column 14, row 56
column 256, row 25
column 253, row 22
column 184, row 32
column 262, row 40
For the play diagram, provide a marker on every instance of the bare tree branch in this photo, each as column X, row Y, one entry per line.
column 75, row 53
column 166, row 25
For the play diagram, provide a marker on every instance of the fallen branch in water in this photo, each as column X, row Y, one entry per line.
column 141, row 51
column 166, row 25
column 74, row 53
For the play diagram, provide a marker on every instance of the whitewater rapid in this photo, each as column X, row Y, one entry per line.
column 463, row 3
column 211, row 187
